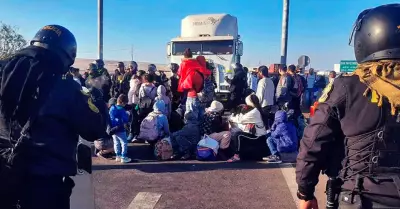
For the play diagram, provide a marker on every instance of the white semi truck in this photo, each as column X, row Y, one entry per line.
column 215, row 36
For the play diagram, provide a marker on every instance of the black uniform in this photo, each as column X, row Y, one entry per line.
column 356, row 127
column 237, row 86
column 35, row 90
column 106, row 88
column 346, row 112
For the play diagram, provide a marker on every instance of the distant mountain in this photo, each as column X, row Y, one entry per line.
column 111, row 65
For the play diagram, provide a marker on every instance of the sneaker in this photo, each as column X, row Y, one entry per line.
column 100, row 154
column 118, row 159
column 267, row 158
column 275, row 159
column 135, row 140
column 125, row 160
column 130, row 137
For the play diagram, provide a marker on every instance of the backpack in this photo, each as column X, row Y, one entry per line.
column 207, row 94
column 15, row 152
column 200, row 87
column 146, row 102
column 148, row 128
column 163, row 150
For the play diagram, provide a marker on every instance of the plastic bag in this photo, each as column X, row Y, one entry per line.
column 209, row 143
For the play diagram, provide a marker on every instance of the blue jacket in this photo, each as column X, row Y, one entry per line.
column 284, row 133
column 118, row 116
column 162, row 120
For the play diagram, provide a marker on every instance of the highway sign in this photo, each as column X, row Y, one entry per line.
column 348, row 66
column 303, row 61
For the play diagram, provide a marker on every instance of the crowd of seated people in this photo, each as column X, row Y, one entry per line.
column 173, row 115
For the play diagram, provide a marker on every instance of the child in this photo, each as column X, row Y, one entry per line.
column 161, row 95
column 283, row 137
column 155, row 125
column 118, row 119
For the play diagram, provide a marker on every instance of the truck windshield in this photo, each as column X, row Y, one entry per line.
column 203, row 47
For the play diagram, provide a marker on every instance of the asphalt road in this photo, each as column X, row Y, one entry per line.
column 147, row 183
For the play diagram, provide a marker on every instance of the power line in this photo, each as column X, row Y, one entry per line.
column 111, row 50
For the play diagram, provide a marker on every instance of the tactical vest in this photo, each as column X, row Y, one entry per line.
column 375, row 154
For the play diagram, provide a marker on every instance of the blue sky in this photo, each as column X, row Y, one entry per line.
column 317, row 28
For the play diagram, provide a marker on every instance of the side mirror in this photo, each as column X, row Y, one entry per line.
column 169, row 49
column 240, row 48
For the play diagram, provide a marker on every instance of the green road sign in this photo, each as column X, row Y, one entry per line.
column 348, row 66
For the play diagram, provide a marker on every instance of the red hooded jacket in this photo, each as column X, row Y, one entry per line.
column 188, row 76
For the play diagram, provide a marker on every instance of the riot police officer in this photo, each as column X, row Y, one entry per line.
column 359, row 115
column 107, row 79
column 43, row 112
column 116, row 79
column 237, row 86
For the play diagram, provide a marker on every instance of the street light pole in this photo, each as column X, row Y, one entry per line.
column 100, row 28
column 285, row 24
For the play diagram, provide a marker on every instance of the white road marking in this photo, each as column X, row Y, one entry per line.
column 144, row 200
column 289, row 174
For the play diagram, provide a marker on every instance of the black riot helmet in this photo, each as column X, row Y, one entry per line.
column 121, row 65
column 99, row 63
column 173, row 67
column 133, row 65
column 94, row 71
column 376, row 34
column 237, row 67
column 58, row 39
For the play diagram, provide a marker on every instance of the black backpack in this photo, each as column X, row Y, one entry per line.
column 146, row 102
column 15, row 152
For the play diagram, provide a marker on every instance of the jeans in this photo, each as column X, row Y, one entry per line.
column 120, row 144
column 193, row 105
column 272, row 146
column 309, row 97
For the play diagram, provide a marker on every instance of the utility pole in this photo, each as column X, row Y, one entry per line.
column 132, row 52
column 100, row 28
column 285, row 24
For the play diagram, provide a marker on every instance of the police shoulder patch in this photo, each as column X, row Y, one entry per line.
column 325, row 94
column 92, row 106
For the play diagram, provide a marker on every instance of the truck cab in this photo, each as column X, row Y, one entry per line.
column 214, row 36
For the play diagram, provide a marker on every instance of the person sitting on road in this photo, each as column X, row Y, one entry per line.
column 155, row 126
column 104, row 147
column 213, row 125
column 161, row 95
column 118, row 119
column 184, row 141
column 251, row 124
column 283, row 137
